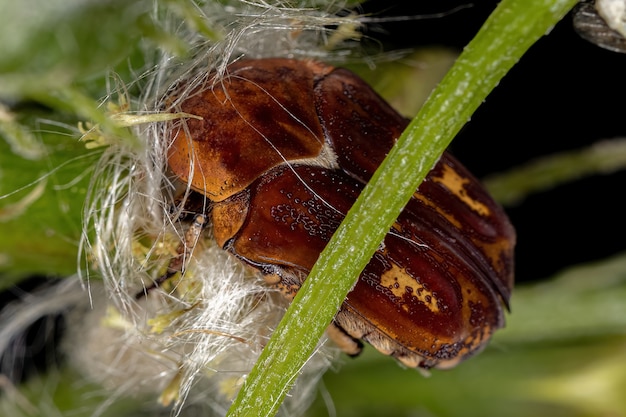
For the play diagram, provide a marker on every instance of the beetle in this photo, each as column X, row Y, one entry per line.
column 281, row 149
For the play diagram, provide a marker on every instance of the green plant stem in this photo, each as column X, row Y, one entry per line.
column 512, row 28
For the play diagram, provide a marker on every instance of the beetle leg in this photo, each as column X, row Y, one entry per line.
column 286, row 280
column 349, row 345
column 183, row 253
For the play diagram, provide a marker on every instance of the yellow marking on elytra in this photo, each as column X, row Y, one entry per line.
column 456, row 184
column 495, row 252
column 397, row 281
column 439, row 210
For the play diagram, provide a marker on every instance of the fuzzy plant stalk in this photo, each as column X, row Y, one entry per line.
column 513, row 27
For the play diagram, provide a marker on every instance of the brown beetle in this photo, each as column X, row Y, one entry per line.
column 285, row 147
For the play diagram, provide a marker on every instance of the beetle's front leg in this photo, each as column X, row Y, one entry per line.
column 183, row 253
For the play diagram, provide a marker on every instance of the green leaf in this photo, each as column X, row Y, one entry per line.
column 41, row 201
